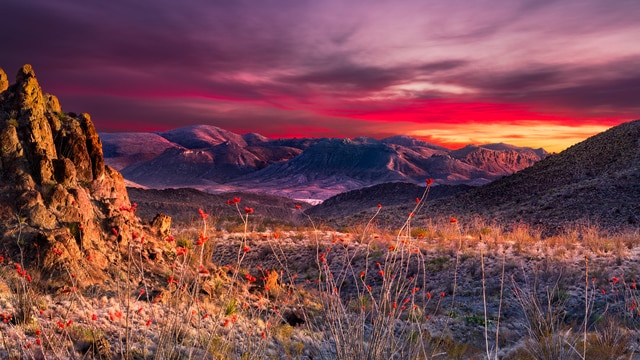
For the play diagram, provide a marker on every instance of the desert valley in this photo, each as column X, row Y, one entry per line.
column 200, row 243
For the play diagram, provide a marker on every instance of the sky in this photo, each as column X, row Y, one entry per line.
column 538, row 73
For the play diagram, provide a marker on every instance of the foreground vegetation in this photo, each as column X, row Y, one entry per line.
column 247, row 290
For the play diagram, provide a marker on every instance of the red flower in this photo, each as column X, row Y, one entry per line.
column 603, row 291
column 94, row 317
column 379, row 206
column 229, row 202
column 201, row 239
column 429, row 182
column 181, row 251
column 453, row 220
column 248, row 210
column 417, row 200
column 298, row 207
column 69, row 322
column 236, row 200
column 203, row 215
column 246, row 249
column 442, row 294
column 615, row 280
column 114, row 231
column 170, row 238
column 149, row 322
column 362, row 273
column 381, row 272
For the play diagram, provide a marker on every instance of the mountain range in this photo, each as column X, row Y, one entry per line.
column 593, row 183
column 311, row 169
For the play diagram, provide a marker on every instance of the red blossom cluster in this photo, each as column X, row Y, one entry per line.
column 22, row 272
column 235, row 200
column 6, row 317
column 203, row 215
column 131, row 208
column 201, row 239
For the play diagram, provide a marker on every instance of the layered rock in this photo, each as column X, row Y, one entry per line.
column 61, row 204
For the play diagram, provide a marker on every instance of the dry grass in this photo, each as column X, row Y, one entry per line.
column 424, row 291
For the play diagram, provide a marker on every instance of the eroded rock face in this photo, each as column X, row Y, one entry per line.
column 71, row 209
column 4, row 81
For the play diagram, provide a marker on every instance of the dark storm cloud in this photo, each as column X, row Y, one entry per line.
column 608, row 87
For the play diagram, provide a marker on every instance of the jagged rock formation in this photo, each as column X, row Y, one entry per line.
column 58, row 200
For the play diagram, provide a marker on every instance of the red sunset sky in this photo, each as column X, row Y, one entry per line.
column 539, row 73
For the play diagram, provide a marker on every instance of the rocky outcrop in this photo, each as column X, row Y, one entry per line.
column 4, row 81
column 61, row 204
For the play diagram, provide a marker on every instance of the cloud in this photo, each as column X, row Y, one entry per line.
column 353, row 68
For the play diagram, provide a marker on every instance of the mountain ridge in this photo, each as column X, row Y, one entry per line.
column 310, row 169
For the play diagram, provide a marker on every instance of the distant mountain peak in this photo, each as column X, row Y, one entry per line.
column 202, row 136
column 311, row 168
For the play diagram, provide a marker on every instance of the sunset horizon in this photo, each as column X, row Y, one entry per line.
column 531, row 74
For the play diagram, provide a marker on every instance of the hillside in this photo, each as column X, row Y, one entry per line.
column 595, row 182
column 183, row 204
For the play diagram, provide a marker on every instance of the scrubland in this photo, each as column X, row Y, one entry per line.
column 244, row 289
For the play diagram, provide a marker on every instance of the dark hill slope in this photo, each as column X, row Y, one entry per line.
column 183, row 204
column 597, row 180
column 389, row 195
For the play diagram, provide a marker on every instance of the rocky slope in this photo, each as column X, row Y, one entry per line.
column 215, row 160
column 62, row 208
